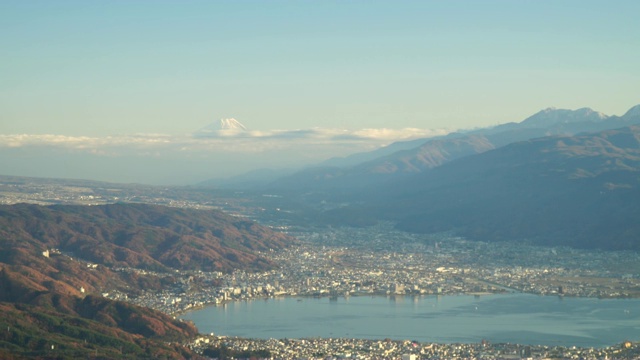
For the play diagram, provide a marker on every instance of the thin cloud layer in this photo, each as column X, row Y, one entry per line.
column 226, row 140
column 186, row 159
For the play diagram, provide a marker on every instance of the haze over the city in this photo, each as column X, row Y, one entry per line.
column 134, row 92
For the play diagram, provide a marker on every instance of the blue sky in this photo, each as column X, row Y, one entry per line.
column 106, row 68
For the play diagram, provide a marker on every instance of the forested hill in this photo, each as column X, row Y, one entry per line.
column 139, row 235
column 56, row 260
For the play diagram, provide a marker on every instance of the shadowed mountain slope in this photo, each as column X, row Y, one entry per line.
column 431, row 153
column 581, row 191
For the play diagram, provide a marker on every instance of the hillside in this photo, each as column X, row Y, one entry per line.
column 139, row 235
column 54, row 259
column 581, row 191
column 70, row 327
column 46, row 316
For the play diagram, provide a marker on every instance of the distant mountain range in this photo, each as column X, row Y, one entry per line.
column 406, row 158
column 51, row 257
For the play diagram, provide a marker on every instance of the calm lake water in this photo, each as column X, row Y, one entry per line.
column 513, row 318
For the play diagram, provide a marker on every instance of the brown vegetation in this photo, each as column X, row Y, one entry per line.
column 45, row 313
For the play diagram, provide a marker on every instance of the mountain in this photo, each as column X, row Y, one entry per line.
column 633, row 113
column 231, row 124
column 358, row 158
column 581, row 191
column 434, row 152
column 431, row 154
column 225, row 127
column 54, row 259
column 141, row 236
column 553, row 117
column 43, row 323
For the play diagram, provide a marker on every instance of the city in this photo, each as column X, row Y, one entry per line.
column 372, row 261
column 384, row 262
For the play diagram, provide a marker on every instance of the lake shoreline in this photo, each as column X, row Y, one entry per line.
column 510, row 318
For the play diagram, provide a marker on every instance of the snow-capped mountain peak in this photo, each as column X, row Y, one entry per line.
column 231, row 124
column 552, row 116
column 226, row 127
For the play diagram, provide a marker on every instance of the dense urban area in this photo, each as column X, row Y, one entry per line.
column 380, row 261
column 377, row 260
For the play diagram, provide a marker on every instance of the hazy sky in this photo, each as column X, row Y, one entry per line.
column 111, row 68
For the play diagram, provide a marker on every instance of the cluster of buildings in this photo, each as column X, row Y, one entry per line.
column 330, row 348
column 381, row 261
column 14, row 190
column 353, row 262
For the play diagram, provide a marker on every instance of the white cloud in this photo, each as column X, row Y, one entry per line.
column 161, row 158
column 319, row 141
column 399, row 134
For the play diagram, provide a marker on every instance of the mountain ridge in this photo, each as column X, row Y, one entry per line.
column 437, row 151
column 142, row 235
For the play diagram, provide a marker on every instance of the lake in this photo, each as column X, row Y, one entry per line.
column 503, row 318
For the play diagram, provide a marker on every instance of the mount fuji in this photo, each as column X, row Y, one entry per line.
column 229, row 126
